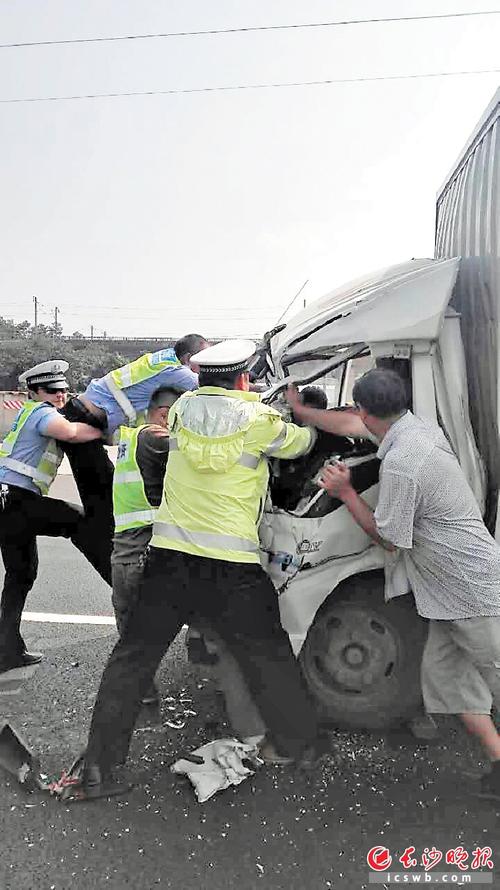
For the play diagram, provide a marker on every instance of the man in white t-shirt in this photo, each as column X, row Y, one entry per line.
column 427, row 511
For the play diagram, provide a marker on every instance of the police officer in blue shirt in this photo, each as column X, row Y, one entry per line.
column 121, row 398
column 29, row 458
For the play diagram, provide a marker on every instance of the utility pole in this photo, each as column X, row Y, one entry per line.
column 91, row 331
column 56, row 310
column 35, row 300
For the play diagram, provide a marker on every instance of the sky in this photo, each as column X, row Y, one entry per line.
column 162, row 215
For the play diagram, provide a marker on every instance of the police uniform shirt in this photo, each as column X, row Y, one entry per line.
column 139, row 394
column 31, row 444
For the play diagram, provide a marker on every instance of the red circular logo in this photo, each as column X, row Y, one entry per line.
column 379, row 858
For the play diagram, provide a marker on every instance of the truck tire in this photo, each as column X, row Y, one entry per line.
column 361, row 658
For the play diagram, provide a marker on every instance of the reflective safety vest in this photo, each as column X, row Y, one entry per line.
column 130, row 505
column 46, row 470
column 217, row 472
column 141, row 369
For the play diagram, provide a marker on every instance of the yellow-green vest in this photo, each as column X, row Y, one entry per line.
column 136, row 372
column 215, row 486
column 130, row 505
column 46, row 470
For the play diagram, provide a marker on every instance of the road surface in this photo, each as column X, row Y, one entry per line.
column 280, row 829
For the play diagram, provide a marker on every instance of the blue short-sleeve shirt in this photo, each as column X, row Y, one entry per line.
column 29, row 447
column 139, row 394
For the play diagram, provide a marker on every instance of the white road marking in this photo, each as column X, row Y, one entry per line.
column 54, row 618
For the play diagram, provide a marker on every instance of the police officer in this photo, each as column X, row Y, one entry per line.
column 204, row 555
column 137, row 490
column 29, row 458
column 121, row 398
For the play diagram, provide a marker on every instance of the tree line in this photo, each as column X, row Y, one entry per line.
column 22, row 346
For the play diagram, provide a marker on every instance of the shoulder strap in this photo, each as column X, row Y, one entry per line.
column 120, row 397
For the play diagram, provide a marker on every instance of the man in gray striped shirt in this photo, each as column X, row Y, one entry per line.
column 427, row 512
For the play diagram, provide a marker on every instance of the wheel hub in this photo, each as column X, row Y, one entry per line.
column 355, row 651
column 355, row 655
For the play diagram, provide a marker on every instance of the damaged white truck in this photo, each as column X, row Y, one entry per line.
column 435, row 321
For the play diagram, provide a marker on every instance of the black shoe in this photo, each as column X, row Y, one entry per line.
column 26, row 659
column 85, row 781
column 30, row 658
column 490, row 784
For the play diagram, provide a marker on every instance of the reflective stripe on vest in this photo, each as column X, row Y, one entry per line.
column 203, row 539
column 144, row 368
column 120, row 397
column 131, row 507
column 277, row 443
column 52, row 456
column 132, row 476
column 145, row 517
column 246, row 460
column 249, row 460
column 17, row 465
column 46, row 470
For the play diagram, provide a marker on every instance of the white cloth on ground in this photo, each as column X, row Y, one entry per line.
column 222, row 765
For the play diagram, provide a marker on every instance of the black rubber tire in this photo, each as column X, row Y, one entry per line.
column 361, row 658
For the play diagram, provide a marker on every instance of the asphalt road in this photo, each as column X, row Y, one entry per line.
column 279, row 829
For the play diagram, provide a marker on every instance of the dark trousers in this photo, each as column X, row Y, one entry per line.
column 127, row 579
column 93, row 472
column 23, row 516
column 240, row 603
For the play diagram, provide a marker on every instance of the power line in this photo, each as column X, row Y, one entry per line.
column 251, row 86
column 209, row 316
column 251, row 29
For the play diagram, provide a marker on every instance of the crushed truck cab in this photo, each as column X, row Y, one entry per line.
column 360, row 655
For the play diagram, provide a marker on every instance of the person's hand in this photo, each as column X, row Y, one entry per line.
column 336, row 480
column 293, row 398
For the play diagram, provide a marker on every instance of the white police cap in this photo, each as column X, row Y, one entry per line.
column 230, row 355
column 52, row 373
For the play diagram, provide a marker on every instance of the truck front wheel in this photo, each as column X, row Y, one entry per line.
column 362, row 656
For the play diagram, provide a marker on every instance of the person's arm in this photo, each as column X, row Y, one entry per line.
column 64, row 431
column 289, row 440
column 152, row 456
column 339, row 423
column 336, row 480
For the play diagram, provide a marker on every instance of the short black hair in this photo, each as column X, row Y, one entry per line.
column 191, row 343
column 314, row 397
column 381, row 392
column 158, row 396
column 225, row 379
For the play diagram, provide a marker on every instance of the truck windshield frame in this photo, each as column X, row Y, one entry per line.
column 342, row 357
